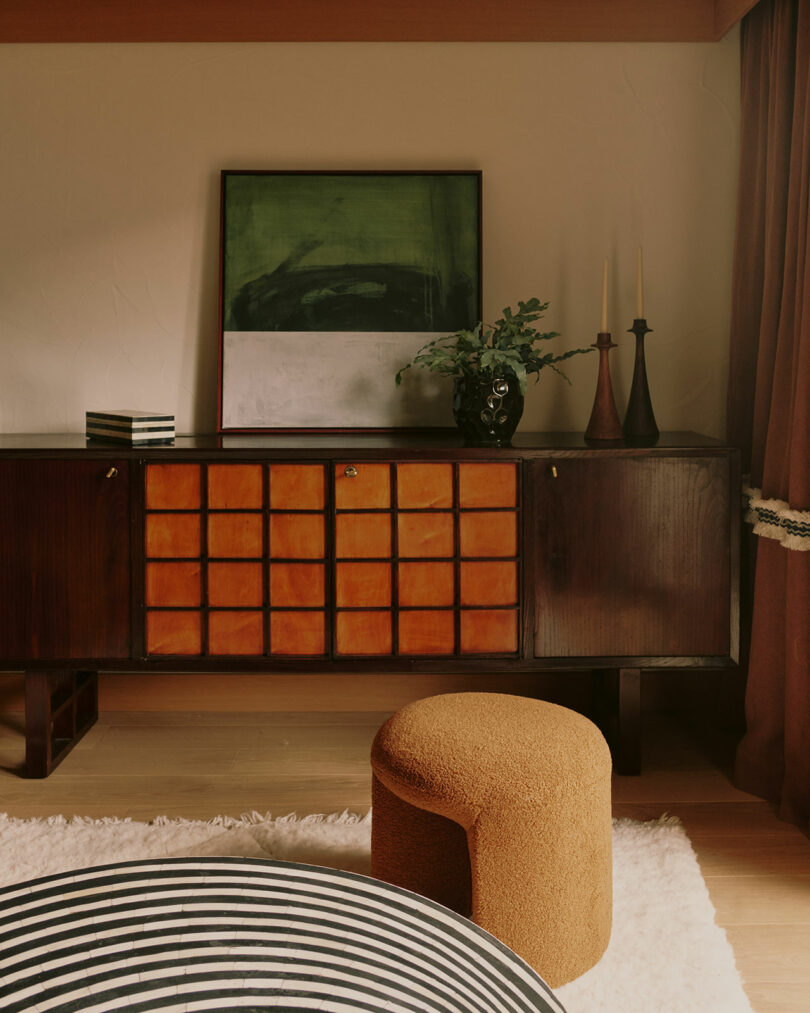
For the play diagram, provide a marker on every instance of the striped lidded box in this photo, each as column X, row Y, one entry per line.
column 130, row 427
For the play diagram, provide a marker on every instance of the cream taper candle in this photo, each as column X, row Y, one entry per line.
column 603, row 322
column 639, row 288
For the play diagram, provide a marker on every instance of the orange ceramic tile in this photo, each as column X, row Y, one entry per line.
column 487, row 485
column 426, row 584
column 173, row 584
column 235, row 633
column 234, row 584
column 488, row 534
column 369, row 489
column 364, row 633
column 172, row 486
column 488, row 583
column 425, row 534
column 297, row 486
column 363, row 536
column 426, row 632
column 173, row 632
column 425, row 485
column 489, row 632
column 297, row 536
column 297, row 633
column 297, row 584
column 235, row 535
column 170, row 535
column 359, row 584
column 233, row 486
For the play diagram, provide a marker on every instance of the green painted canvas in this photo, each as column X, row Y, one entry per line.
column 351, row 252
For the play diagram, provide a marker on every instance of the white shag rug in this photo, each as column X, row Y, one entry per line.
column 666, row 953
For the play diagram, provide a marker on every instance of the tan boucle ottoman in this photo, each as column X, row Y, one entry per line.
column 499, row 807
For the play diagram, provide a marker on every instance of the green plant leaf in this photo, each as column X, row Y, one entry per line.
column 510, row 344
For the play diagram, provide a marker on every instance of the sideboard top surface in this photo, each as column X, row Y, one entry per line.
column 342, row 442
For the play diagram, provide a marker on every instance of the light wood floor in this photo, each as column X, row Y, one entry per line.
column 198, row 765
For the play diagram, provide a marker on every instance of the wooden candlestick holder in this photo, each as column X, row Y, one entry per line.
column 604, row 423
column 639, row 422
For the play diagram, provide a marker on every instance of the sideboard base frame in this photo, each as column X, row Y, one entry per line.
column 61, row 706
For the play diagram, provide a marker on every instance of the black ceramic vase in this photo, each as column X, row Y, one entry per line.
column 487, row 410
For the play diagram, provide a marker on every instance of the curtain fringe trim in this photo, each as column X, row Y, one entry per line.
column 773, row 518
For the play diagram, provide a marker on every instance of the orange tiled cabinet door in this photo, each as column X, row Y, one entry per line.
column 235, row 559
column 426, row 559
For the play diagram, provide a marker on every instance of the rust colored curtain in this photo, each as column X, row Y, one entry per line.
column 769, row 397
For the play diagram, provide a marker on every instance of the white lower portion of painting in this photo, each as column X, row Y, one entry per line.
column 303, row 379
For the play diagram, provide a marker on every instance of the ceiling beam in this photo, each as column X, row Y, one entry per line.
column 367, row 20
column 728, row 12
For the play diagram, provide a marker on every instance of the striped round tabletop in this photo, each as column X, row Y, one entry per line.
column 230, row 933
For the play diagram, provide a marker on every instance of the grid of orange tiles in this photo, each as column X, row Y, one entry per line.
column 236, row 559
column 425, row 559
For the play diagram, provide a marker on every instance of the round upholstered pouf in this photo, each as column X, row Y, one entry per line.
column 241, row 934
column 499, row 807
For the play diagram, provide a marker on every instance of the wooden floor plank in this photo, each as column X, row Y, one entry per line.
column 762, row 900
column 778, row 996
column 773, row 954
column 786, row 852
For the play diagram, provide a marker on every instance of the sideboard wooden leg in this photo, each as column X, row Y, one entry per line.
column 60, row 706
column 627, row 753
column 616, row 696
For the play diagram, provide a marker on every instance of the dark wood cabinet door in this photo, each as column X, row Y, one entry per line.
column 633, row 556
column 64, row 559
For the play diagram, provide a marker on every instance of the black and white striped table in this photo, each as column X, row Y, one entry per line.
column 243, row 934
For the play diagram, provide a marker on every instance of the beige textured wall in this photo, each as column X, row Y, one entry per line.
column 109, row 165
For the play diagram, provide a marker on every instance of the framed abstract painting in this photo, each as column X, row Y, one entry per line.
column 330, row 282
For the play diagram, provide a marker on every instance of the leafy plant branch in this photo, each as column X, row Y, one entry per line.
column 492, row 350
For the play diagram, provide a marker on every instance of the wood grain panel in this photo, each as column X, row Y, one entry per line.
column 235, row 535
column 488, row 583
column 297, row 633
column 297, row 487
column 297, row 536
column 297, row 585
column 172, row 487
column 175, row 535
column 363, row 584
column 173, row 584
column 64, row 559
column 369, row 489
column 426, row 584
column 364, row 633
column 359, row 21
column 487, row 485
column 426, row 632
column 489, row 632
column 235, row 633
column 425, row 486
column 425, row 534
column 235, row 584
column 633, row 557
column 362, row 536
column 173, row 632
column 235, row 486
column 488, row 534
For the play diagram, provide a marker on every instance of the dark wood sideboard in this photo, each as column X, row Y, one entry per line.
column 362, row 552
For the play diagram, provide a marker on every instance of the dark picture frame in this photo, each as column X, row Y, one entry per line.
column 329, row 282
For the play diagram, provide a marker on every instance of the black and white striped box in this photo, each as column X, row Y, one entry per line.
column 130, row 427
